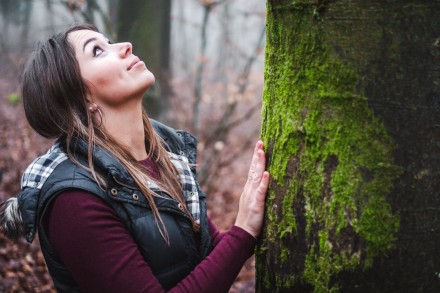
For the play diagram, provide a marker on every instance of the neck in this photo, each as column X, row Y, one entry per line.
column 127, row 128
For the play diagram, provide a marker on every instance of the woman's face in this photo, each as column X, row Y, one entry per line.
column 113, row 74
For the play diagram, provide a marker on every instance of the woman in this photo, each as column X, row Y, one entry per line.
column 115, row 200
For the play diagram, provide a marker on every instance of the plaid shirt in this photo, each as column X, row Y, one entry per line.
column 42, row 167
column 189, row 185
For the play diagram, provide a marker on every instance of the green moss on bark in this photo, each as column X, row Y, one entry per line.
column 316, row 119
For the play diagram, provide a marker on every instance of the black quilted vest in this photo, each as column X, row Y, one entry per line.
column 170, row 264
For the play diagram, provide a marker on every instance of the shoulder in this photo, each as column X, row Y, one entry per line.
column 34, row 178
column 42, row 168
column 56, row 166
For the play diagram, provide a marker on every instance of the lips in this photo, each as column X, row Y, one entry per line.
column 133, row 63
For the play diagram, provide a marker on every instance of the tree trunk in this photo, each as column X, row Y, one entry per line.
column 350, row 111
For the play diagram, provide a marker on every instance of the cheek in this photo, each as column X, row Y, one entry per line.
column 99, row 87
column 104, row 81
column 105, row 76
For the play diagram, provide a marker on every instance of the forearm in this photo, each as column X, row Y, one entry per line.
column 216, row 235
column 217, row 272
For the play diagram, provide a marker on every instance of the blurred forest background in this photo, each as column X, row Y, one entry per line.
column 207, row 57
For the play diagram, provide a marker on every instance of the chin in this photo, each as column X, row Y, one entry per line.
column 150, row 79
column 150, row 83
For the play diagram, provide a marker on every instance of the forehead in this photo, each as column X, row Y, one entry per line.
column 80, row 37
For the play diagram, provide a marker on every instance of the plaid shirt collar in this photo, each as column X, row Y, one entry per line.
column 42, row 167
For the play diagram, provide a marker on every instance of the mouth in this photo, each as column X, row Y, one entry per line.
column 133, row 63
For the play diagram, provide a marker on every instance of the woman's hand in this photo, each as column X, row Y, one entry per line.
column 251, row 206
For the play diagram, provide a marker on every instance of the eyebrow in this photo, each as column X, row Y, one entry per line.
column 87, row 42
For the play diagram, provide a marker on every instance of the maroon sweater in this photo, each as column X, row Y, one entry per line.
column 101, row 255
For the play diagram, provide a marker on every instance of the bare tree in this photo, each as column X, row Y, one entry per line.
column 232, row 110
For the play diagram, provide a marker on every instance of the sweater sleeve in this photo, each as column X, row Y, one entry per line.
column 102, row 256
column 216, row 235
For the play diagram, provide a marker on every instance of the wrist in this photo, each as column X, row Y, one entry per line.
column 246, row 229
column 243, row 231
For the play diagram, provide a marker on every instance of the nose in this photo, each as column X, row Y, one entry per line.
column 125, row 49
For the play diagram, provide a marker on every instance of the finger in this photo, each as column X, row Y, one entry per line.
column 259, row 168
column 259, row 145
column 254, row 162
column 263, row 186
column 261, row 159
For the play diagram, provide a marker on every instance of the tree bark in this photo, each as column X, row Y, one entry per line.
column 350, row 110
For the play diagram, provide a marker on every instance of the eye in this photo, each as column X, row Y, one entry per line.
column 97, row 51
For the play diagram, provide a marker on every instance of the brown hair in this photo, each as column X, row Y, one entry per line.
column 55, row 104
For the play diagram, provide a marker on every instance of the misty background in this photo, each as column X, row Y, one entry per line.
column 207, row 57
